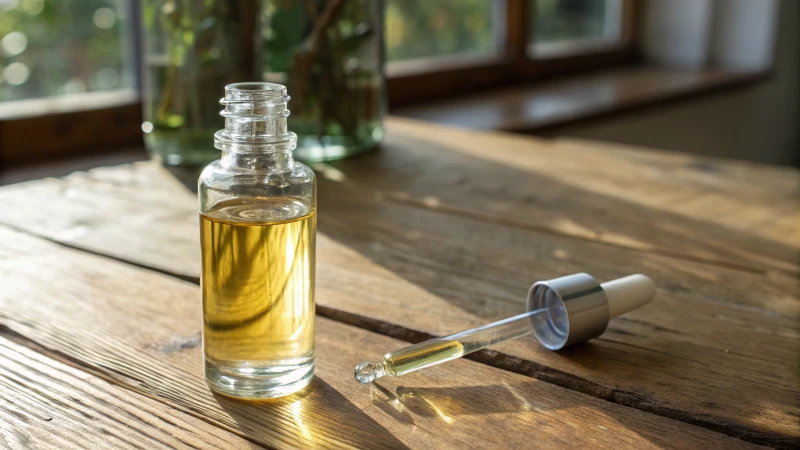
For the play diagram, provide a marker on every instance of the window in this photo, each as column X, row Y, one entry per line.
column 437, row 47
column 53, row 48
column 67, row 77
column 68, row 68
column 561, row 26
column 435, row 30
column 57, row 47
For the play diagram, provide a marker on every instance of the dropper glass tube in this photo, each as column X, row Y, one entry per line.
column 447, row 348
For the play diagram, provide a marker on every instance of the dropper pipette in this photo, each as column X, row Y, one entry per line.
column 443, row 349
column 561, row 312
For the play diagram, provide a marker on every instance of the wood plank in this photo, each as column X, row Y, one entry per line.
column 730, row 213
column 715, row 346
column 139, row 328
column 90, row 205
column 48, row 404
column 84, row 210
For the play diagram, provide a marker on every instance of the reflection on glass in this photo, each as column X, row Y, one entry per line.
column 58, row 47
column 433, row 28
column 562, row 25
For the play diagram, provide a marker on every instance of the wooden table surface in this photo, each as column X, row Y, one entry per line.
column 441, row 230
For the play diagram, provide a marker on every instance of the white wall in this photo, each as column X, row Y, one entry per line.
column 758, row 123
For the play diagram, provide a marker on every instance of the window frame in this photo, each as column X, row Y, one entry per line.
column 411, row 83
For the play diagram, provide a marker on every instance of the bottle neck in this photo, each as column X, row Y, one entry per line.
column 276, row 161
column 255, row 135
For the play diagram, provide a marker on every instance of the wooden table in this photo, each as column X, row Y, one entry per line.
column 440, row 230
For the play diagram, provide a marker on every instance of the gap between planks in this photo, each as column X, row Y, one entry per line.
column 487, row 357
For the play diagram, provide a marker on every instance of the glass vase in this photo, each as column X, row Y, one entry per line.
column 329, row 53
column 191, row 49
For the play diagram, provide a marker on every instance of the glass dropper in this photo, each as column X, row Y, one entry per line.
column 561, row 312
column 443, row 349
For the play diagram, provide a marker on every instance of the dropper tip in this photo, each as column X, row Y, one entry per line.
column 368, row 372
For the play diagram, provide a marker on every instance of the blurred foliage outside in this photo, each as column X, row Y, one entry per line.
column 569, row 20
column 57, row 47
column 423, row 29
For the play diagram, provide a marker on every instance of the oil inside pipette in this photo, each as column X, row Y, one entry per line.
column 408, row 360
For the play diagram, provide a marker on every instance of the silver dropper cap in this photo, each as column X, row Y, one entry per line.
column 580, row 307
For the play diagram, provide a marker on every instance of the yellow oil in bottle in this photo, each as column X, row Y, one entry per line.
column 258, row 285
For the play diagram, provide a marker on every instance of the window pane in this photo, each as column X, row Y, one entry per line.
column 57, row 47
column 433, row 28
column 561, row 25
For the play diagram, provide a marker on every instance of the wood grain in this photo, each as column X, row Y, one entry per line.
column 139, row 329
column 716, row 348
column 47, row 404
column 734, row 214
column 727, row 213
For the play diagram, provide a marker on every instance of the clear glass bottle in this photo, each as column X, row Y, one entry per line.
column 257, row 227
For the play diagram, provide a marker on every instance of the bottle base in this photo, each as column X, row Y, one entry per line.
column 254, row 382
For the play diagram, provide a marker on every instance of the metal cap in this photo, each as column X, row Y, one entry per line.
column 577, row 310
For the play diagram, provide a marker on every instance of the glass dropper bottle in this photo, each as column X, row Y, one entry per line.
column 257, row 236
column 561, row 312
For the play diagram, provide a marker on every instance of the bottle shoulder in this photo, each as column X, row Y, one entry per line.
column 216, row 174
column 300, row 170
column 221, row 186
